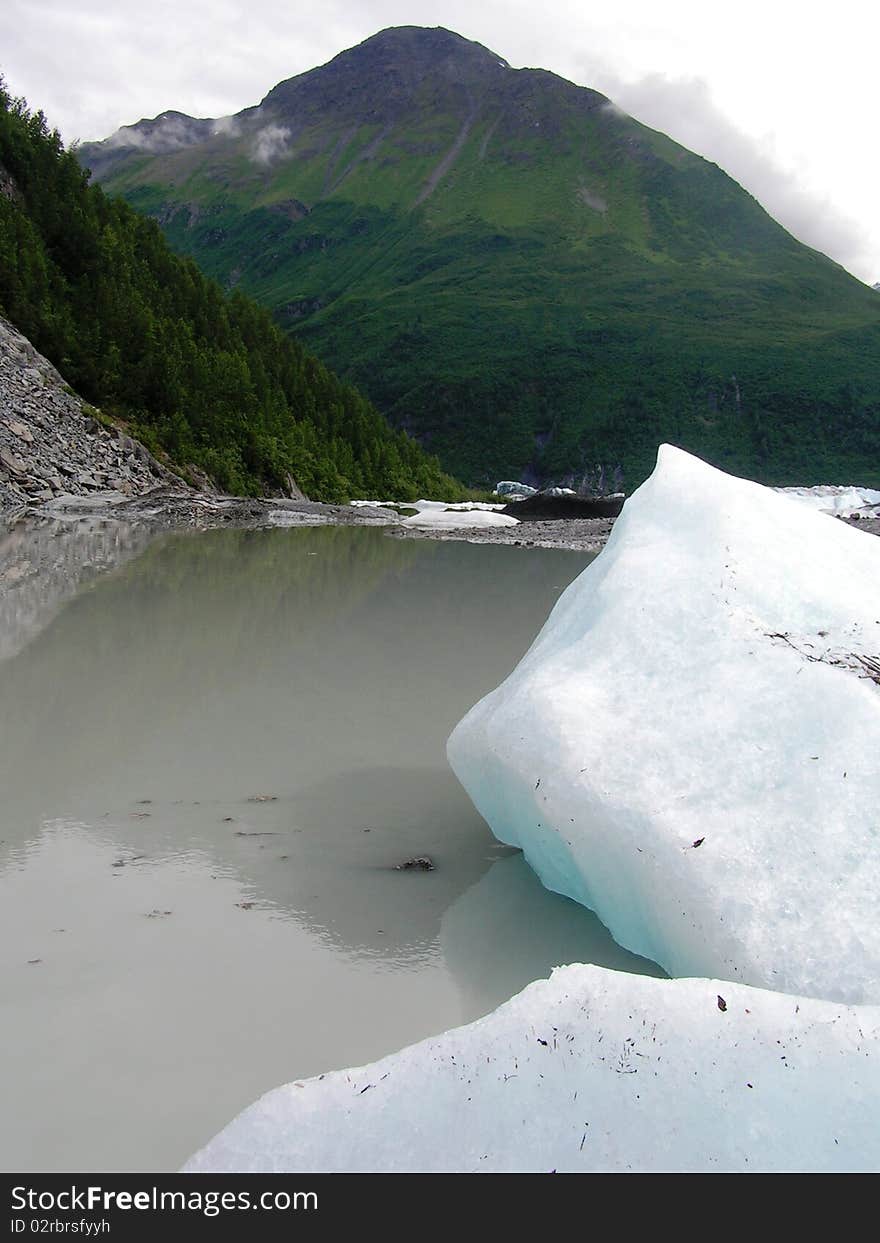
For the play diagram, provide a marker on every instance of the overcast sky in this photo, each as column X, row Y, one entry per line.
column 783, row 95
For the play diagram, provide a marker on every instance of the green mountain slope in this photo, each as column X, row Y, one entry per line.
column 516, row 272
column 207, row 377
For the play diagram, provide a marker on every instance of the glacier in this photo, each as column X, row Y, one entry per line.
column 689, row 748
column 591, row 1070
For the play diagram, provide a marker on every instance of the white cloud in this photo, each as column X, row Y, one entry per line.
column 228, row 127
column 168, row 134
column 685, row 110
column 270, row 144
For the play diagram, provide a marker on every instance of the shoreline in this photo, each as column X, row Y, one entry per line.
column 165, row 509
column 169, row 509
column 568, row 534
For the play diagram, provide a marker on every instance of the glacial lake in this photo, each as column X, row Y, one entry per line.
column 214, row 749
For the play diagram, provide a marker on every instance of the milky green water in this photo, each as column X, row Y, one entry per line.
column 171, row 944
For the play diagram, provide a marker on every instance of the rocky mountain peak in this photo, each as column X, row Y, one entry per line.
column 389, row 70
column 427, row 46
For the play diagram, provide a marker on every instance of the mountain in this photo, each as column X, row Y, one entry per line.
column 525, row 278
column 207, row 378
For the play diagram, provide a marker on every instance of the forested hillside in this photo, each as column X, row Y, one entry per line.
column 141, row 333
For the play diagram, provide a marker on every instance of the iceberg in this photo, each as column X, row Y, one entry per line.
column 463, row 506
column 689, row 748
column 840, row 501
column 427, row 511
column 591, row 1070
column 514, row 490
column 450, row 519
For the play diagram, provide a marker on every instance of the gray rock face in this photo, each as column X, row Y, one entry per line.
column 8, row 188
column 50, row 444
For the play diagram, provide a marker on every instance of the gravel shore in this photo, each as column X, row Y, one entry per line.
column 578, row 534
column 169, row 508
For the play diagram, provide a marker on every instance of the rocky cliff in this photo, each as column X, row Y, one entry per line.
column 50, row 442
